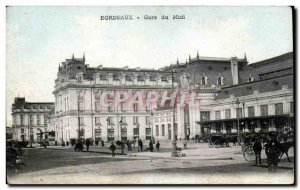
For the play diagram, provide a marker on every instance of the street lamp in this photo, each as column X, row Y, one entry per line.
column 238, row 123
column 174, row 151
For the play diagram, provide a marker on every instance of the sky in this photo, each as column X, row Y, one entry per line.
column 39, row 38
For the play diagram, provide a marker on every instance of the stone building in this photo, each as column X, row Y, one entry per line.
column 30, row 119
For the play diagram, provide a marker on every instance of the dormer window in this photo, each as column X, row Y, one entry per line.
column 203, row 80
column 250, row 79
column 220, row 79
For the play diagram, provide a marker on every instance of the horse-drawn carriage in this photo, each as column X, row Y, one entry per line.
column 286, row 141
column 221, row 140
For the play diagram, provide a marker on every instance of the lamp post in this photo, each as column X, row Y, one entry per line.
column 174, row 151
column 238, row 123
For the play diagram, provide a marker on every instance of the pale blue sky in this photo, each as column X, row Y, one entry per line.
column 38, row 38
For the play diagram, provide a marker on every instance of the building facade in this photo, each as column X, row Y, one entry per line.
column 221, row 95
column 30, row 120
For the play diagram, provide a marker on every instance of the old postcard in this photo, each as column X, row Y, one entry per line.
column 150, row 95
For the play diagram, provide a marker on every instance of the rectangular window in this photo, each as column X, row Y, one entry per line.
column 135, row 107
column 97, row 133
column 81, row 106
column 22, row 119
column 97, row 105
column 122, row 106
column 148, row 133
column 110, row 108
column 22, row 130
column 239, row 113
column 109, row 121
column 97, row 120
column 264, row 110
column 135, row 120
column 110, row 134
column 31, row 130
column 148, row 120
column 135, row 132
column 157, row 130
column 227, row 114
column 163, row 130
column 38, row 119
column 251, row 112
column 187, row 117
column 31, row 120
column 218, row 114
column 123, row 119
column 291, row 107
column 81, row 121
column 279, row 109
column 204, row 115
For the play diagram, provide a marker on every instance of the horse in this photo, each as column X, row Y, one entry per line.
column 284, row 149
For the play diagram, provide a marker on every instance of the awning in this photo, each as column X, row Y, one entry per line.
column 243, row 119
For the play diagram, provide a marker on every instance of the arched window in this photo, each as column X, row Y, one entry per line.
column 204, row 79
column 220, row 79
column 163, row 130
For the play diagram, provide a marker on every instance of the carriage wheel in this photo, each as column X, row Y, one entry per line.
column 210, row 144
column 249, row 154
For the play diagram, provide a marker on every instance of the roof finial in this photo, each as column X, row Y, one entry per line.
column 245, row 57
column 197, row 54
column 83, row 56
column 177, row 61
column 190, row 58
column 73, row 56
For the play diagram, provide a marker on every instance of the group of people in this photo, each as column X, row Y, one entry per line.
column 272, row 150
column 129, row 143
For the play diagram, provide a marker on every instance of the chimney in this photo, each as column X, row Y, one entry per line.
column 234, row 70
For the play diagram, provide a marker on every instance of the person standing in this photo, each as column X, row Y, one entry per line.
column 272, row 152
column 128, row 145
column 102, row 143
column 257, row 150
column 157, row 146
column 141, row 145
column 87, row 143
column 151, row 145
column 112, row 148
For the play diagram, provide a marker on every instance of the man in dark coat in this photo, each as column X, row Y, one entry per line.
column 151, row 145
column 141, row 145
column 257, row 150
column 157, row 146
column 102, row 143
column 87, row 143
column 112, row 148
column 272, row 152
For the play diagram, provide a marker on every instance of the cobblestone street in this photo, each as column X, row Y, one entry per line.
column 200, row 165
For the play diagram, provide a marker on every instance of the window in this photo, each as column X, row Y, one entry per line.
column 110, row 134
column 38, row 119
column 204, row 115
column 123, row 119
column 239, row 112
column 97, row 120
column 227, row 114
column 148, row 134
column 279, row 109
column 218, row 114
column 291, row 107
column 124, row 134
column 109, row 121
column 110, row 108
column 203, row 81
column 148, row 121
column 135, row 120
column 135, row 107
column 251, row 112
column 31, row 120
column 163, row 130
column 186, row 117
column 79, row 79
column 157, row 130
column 97, row 133
column 81, row 105
column 264, row 110
column 97, row 105
column 81, row 121
column 22, row 119
column 122, row 106
column 22, row 130
column 136, row 132
column 31, row 130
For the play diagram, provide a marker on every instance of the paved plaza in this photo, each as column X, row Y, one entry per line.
column 200, row 165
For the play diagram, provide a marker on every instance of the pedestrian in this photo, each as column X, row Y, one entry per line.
column 151, row 145
column 141, row 145
column 67, row 143
column 122, row 147
column 257, row 150
column 112, row 148
column 185, row 145
column 87, row 143
column 157, row 146
column 272, row 152
column 102, row 143
column 128, row 145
